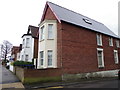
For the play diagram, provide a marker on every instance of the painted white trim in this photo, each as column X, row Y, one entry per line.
column 100, row 39
column 117, row 43
column 116, row 62
column 100, row 49
column 110, row 41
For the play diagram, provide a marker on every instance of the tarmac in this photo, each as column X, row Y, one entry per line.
column 8, row 80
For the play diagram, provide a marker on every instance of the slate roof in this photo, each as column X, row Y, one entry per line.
column 63, row 14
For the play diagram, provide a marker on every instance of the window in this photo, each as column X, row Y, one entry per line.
column 117, row 43
column 41, row 57
column 100, row 57
column 110, row 41
column 99, row 39
column 26, row 57
column 22, row 58
column 50, row 31
column 27, row 42
column 42, row 33
column 87, row 21
column 50, row 57
column 116, row 56
column 23, row 43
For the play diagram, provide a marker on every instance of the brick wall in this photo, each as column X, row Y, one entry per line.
column 50, row 72
column 79, row 50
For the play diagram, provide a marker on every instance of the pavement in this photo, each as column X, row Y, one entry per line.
column 8, row 79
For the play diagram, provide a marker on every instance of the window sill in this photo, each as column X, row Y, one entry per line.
column 27, row 47
column 41, row 40
column 50, row 39
column 99, row 45
column 116, row 63
column 111, row 45
column 101, row 67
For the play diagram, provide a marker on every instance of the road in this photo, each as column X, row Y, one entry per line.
column 8, row 79
column 114, row 83
column 107, row 84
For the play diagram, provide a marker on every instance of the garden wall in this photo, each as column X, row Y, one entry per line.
column 38, row 75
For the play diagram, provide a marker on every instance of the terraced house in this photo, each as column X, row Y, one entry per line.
column 76, row 44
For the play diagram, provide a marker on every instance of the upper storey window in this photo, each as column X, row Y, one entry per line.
column 117, row 43
column 27, row 42
column 99, row 39
column 50, row 31
column 42, row 33
column 110, row 41
column 23, row 43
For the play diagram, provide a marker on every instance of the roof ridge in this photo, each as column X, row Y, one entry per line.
column 33, row 26
column 74, row 12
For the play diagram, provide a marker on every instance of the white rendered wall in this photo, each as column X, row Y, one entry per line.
column 48, row 44
column 27, row 50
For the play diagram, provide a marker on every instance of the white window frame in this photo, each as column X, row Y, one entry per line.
column 50, row 58
column 99, row 38
column 42, row 59
column 110, row 41
column 22, row 58
column 23, row 43
column 26, row 57
column 27, row 42
column 117, row 43
column 50, row 31
column 116, row 57
column 42, row 33
column 100, row 66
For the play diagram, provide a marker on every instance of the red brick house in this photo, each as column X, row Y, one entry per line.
column 80, row 46
column 15, row 50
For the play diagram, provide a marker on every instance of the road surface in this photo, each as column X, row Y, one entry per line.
column 8, row 79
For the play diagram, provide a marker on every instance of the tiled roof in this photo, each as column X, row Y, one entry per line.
column 63, row 14
column 34, row 31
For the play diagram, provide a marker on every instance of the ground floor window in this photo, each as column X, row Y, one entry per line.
column 26, row 57
column 41, row 57
column 100, row 57
column 116, row 56
column 50, row 57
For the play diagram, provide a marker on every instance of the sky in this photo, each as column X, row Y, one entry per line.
column 17, row 15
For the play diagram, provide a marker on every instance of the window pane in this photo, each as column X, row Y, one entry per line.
column 100, row 58
column 27, row 42
column 99, row 40
column 26, row 57
column 116, row 56
column 117, row 43
column 50, row 31
column 110, row 41
column 42, row 33
column 41, row 57
column 23, row 43
column 49, row 57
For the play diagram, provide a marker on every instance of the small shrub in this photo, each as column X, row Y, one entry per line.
column 23, row 64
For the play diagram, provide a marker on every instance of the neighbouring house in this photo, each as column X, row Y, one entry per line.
column 14, row 51
column 29, row 50
column 76, row 44
column 19, row 52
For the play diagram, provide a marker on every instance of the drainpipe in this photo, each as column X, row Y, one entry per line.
column 61, row 51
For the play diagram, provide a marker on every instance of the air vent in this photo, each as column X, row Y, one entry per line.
column 87, row 21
